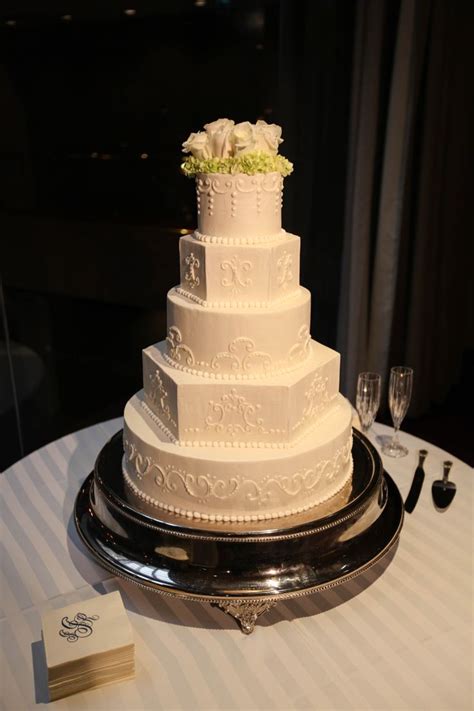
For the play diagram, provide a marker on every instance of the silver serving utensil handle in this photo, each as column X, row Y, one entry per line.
column 443, row 490
column 446, row 469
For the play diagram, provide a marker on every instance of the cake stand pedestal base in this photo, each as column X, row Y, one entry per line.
column 244, row 571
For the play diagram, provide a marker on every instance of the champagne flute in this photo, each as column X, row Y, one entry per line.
column 368, row 399
column 399, row 396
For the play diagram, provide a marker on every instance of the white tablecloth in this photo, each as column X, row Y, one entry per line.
column 397, row 637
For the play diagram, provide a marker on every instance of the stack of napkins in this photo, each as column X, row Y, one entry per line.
column 88, row 644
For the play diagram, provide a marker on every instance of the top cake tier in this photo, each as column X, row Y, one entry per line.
column 239, row 208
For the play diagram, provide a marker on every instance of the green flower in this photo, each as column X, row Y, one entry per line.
column 248, row 163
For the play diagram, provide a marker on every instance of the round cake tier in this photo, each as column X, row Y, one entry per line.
column 235, row 485
column 236, row 206
column 222, row 342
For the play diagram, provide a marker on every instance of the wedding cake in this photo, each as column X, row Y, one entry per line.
column 240, row 416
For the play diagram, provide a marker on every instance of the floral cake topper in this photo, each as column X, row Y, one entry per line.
column 227, row 147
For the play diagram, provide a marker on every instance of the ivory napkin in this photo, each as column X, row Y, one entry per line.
column 88, row 644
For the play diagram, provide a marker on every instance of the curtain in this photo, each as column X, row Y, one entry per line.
column 406, row 292
column 314, row 85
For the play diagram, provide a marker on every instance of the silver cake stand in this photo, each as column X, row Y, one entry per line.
column 245, row 569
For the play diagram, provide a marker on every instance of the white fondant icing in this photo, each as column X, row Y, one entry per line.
column 228, row 341
column 285, row 269
column 271, row 412
column 244, row 274
column 236, row 277
column 158, row 396
column 205, row 481
column 151, row 503
column 191, row 273
column 239, row 205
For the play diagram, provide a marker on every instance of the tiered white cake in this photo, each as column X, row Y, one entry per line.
column 240, row 418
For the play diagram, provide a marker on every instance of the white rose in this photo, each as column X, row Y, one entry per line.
column 198, row 145
column 267, row 137
column 219, row 134
column 244, row 138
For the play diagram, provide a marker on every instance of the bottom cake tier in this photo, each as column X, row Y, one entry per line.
column 229, row 484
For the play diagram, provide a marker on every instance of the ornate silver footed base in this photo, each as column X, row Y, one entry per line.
column 246, row 613
column 244, row 572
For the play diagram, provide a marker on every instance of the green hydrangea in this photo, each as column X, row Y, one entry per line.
column 248, row 163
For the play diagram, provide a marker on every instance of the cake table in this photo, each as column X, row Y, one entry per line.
column 379, row 640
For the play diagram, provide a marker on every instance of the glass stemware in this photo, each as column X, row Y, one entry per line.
column 368, row 399
column 399, row 396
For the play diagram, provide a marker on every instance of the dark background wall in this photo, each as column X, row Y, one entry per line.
column 96, row 104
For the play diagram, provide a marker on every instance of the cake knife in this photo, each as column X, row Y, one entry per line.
column 417, row 483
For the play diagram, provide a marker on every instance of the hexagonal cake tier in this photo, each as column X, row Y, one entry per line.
column 273, row 412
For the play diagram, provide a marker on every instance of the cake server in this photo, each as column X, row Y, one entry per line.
column 417, row 483
column 443, row 490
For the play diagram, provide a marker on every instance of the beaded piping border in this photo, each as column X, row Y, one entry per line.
column 214, row 239
column 235, row 304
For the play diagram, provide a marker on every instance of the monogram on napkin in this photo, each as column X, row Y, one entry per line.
column 79, row 626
